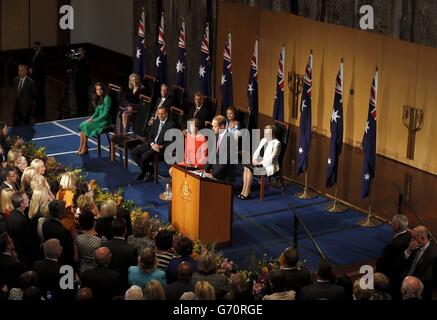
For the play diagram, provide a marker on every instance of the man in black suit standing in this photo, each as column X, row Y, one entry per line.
column 26, row 95
column 103, row 282
column 38, row 72
column 9, row 178
column 226, row 147
column 323, row 289
column 419, row 260
column 199, row 111
column 387, row 262
column 53, row 228
column 144, row 154
column 123, row 255
column 10, row 267
column 20, row 230
column 295, row 278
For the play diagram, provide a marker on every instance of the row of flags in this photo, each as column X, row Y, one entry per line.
column 226, row 90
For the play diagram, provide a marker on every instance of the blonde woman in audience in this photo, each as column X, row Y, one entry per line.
column 108, row 211
column 21, row 165
column 6, row 205
column 146, row 270
column 26, row 179
column 40, row 182
column 140, row 233
column 39, row 166
column 134, row 293
column 204, row 291
column 67, row 187
column 39, row 196
column 13, row 155
column 154, row 291
column 86, row 203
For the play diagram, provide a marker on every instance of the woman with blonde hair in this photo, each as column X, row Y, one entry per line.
column 13, row 155
column 154, row 291
column 40, row 182
column 26, row 179
column 21, row 165
column 204, row 291
column 39, row 166
column 108, row 211
column 132, row 101
column 146, row 270
column 140, row 233
column 39, row 196
column 6, row 205
column 67, row 187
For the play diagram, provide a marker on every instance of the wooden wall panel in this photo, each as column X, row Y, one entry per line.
column 14, row 21
column 44, row 22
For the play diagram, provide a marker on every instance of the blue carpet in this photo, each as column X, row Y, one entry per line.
column 259, row 228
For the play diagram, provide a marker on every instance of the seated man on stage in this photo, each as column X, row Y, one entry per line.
column 222, row 169
column 145, row 153
column 199, row 111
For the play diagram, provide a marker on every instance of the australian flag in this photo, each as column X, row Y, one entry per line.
column 336, row 131
column 278, row 107
column 140, row 55
column 303, row 148
column 369, row 142
column 252, row 89
column 161, row 58
column 205, row 64
column 226, row 81
column 180, row 65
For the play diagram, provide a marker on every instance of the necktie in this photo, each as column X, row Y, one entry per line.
column 161, row 124
column 414, row 263
column 197, row 111
column 20, row 85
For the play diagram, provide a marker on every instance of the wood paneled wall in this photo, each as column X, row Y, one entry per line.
column 407, row 75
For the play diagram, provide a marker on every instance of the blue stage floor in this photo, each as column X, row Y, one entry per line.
column 258, row 227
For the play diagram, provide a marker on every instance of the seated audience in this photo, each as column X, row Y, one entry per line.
column 164, row 248
column 98, row 121
column 322, row 289
column 88, row 241
column 264, row 160
column 277, row 286
column 240, row 289
column 174, row 290
column 140, row 236
column 108, row 212
column 134, row 293
column 184, row 250
column 207, row 271
column 154, row 291
column 146, row 270
column 199, row 111
column 412, row 288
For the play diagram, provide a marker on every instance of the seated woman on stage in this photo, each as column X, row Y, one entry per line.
column 132, row 101
column 232, row 124
column 264, row 160
column 196, row 148
column 98, row 121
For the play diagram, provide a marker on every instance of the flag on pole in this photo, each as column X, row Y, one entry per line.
column 205, row 64
column 140, row 55
column 180, row 65
column 336, row 143
column 369, row 142
column 278, row 107
column 303, row 147
column 161, row 58
column 252, row 89
column 226, row 80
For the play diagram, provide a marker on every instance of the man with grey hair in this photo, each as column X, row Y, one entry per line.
column 412, row 288
column 387, row 262
column 134, row 293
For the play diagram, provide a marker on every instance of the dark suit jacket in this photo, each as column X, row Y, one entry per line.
column 426, row 268
column 39, row 67
column 20, row 230
column 322, row 291
column 391, row 252
column 104, row 282
column 123, row 256
column 223, row 171
column 169, row 124
column 6, row 147
column 296, row 279
column 5, row 186
column 26, row 96
column 53, row 229
column 203, row 115
column 176, row 289
column 48, row 276
column 10, row 270
column 167, row 103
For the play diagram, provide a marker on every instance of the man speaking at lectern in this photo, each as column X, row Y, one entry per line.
column 222, row 169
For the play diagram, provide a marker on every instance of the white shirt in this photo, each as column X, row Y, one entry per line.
column 21, row 81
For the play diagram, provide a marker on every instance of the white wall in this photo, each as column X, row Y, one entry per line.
column 106, row 23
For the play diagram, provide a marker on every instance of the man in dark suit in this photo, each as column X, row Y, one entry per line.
column 26, row 95
column 53, row 228
column 103, row 282
column 387, row 262
column 20, row 230
column 38, row 72
column 164, row 100
column 9, row 178
column 295, row 278
column 123, row 255
column 144, row 154
column 48, row 269
column 183, row 284
column 322, row 289
column 420, row 260
column 10, row 267
column 226, row 147
column 199, row 111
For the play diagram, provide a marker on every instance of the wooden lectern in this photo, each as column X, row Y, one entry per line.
column 201, row 207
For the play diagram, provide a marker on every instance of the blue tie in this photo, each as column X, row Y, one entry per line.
column 161, row 124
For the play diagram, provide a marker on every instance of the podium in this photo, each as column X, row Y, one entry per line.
column 201, row 208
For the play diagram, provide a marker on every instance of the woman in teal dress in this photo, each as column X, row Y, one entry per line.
column 98, row 121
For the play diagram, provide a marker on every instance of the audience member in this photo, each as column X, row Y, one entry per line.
column 184, row 250
column 154, row 291
column 240, row 289
column 6, row 206
column 146, row 270
column 412, row 288
column 204, row 291
column 164, row 248
column 9, row 178
column 277, row 285
column 140, row 236
column 134, row 293
column 295, row 278
column 108, row 212
column 10, row 267
column 174, row 290
column 84, row 294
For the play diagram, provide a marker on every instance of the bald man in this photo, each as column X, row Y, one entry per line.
column 175, row 290
column 419, row 260
column 412, row 288
column 103, row 282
